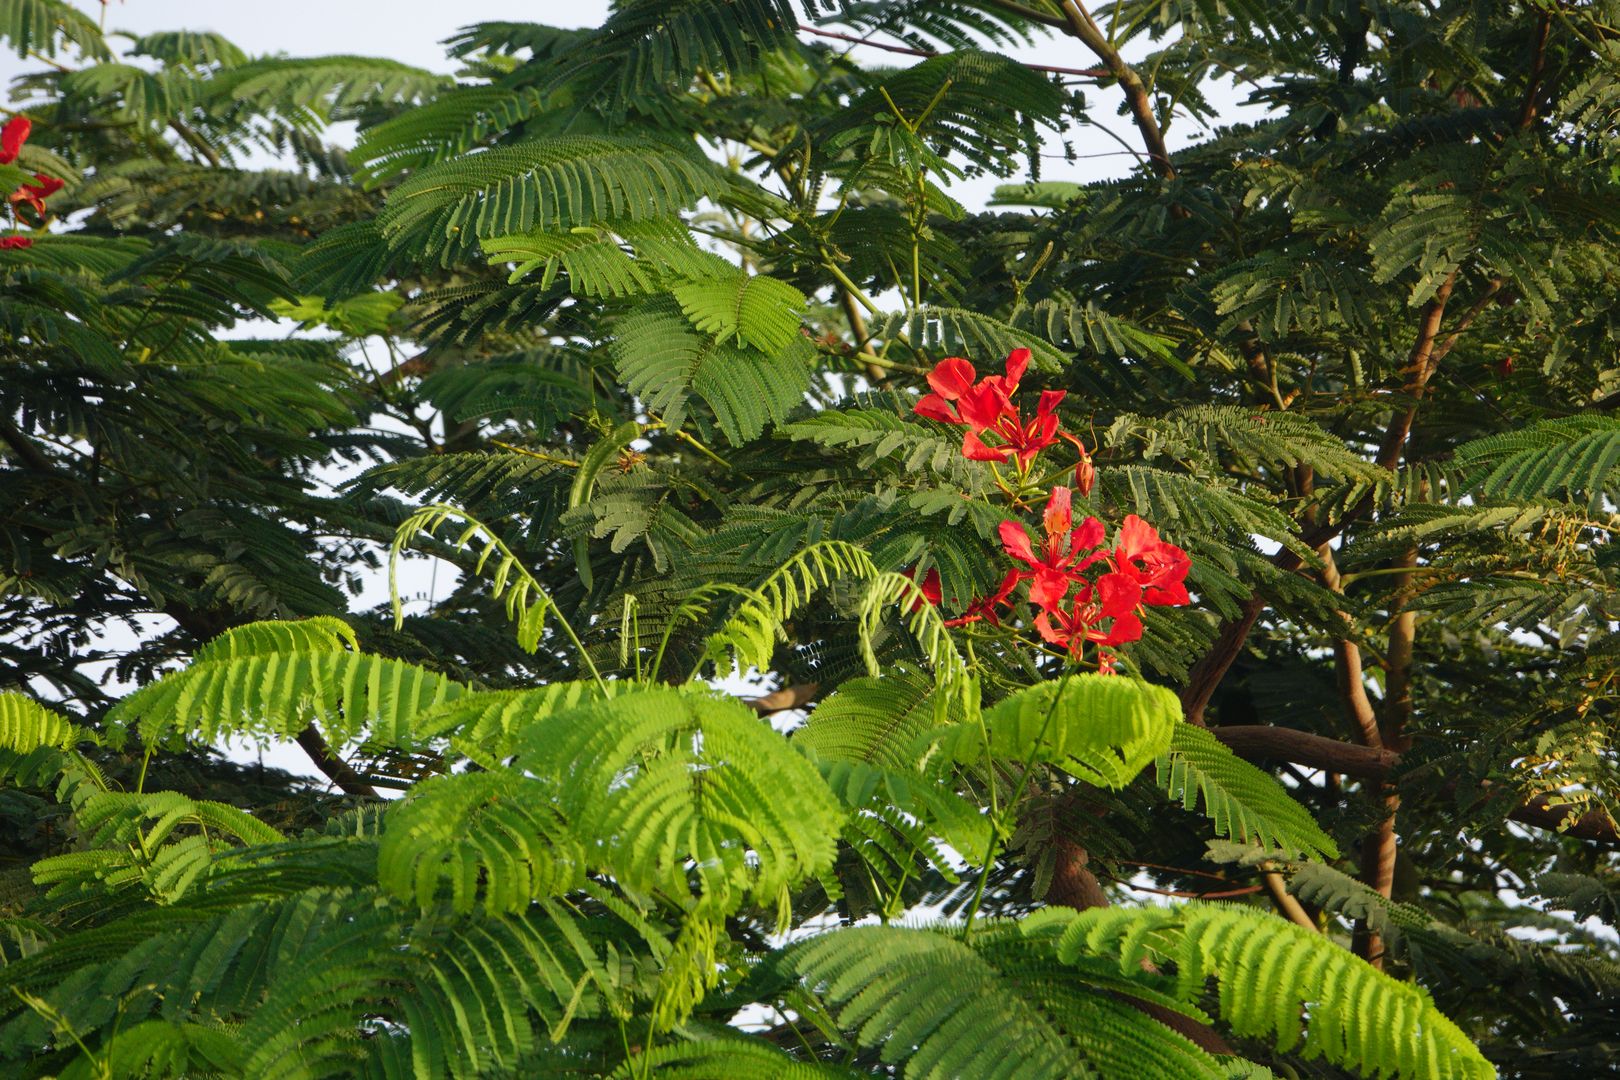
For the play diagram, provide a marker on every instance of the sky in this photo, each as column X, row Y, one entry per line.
column 410, row 31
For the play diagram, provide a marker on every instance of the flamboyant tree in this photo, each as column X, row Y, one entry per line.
column 1236, row 530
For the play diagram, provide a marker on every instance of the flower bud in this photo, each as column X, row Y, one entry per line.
column 1084, row 476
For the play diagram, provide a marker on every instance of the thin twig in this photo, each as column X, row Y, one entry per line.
column 1084, row 73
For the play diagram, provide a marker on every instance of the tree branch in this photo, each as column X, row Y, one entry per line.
column 1085, row 73
column 1538, row 66
column 1263, row 742
column 336, row 769
column 1080, row 24
column 21, row 445
column 789, row 697
column 1207, row 674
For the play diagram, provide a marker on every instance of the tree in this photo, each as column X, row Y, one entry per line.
column 1257, row 553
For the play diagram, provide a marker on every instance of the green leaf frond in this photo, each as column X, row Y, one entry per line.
column 1244, row 803
column 527, row 601
column 941, row 1008
column 1102, row 729
column 663, row 359
column 630, row 258
column 47, row 25
column 1572, row 458
column 648, row 48
column 685, row 791
column 938, row 332
column 556, row 183
column 1279, row 981
column 486, row 836
column 275, row 679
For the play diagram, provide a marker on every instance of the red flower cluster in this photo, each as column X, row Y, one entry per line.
column 1086, row 592
column 12, row 136
column 985, row 408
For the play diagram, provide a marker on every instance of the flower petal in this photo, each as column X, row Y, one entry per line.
column 1043, row 623
column 976, row 449
column 1118, row 595
column 1015, row 541
column 1136, row 538
column 935, row 407
column 951, row 377
column 1087, row 536
column 1058, row 518
column 983, row 405
column 1017, row 363
column 15, row 243
column 1048, row 588
column 1126, row 628
column 12, row 137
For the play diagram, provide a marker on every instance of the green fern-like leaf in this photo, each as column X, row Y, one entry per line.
column 490, row 836
column 685, row 789
column 1244, row 802
column 45, row 25
column 1279, row 981
column 1102, row 729
column 663, row 359
column 276, row 678
column 940, row 1008
column 26, row 726
column 751, row 309
column 555, row 183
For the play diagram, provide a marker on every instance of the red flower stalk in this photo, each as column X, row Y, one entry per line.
column 1157, row 568
column 1053, row 569
column 12, row 137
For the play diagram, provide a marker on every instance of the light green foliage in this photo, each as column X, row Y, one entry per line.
column 1098, row 728
column 553, row 183
column 275, row 679
column 478, row 832
column 751, row 309
column 1267, row 974
column 626, row 326
column 663, row 358
column 1245, row 804
column 874, row 720
column 938, row 1007
column 668, row 781
column 26, row 726
column 161, row 841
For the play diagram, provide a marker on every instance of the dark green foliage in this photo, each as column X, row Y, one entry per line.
column 623, row 328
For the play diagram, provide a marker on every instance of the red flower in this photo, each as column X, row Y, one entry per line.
column 1017, row 439
column 1082, row 622
column 950, row 379
column 1017, row 362
column 8, row 243
column 987, row 405
column 984, row 608
column 1158, row 568
column 35, row 194
column 1054, row 568
column 12, row 137
column 930, row 588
